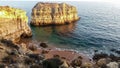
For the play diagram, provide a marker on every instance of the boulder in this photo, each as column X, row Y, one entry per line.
column 33, row 47
column 102, row 63
column 28, row 60
column 77, row 62
column 54, row 62
column 36, row 56
column 44, row 45
column 87, row 65
column 113, row 65
column 64, row 64
column 45, row 51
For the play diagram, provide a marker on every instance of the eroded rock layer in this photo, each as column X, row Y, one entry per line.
column 13, row 23
column 53, row 13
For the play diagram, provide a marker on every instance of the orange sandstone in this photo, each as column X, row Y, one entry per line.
column 53, row 14
column 13, row 23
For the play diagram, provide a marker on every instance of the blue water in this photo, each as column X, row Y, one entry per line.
column 98, row 28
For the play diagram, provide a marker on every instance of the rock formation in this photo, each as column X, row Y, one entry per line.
column 13, row 23
column 18, row 56
column 53, row 13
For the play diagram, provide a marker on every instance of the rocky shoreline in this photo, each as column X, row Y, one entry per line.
column 41, row 55
column 53, row 14
column 24, row 53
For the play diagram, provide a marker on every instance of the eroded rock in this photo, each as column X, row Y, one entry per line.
column 113, row 65
column 53, row 14
column 102, row 62
column 77, row 62
column 13, row 23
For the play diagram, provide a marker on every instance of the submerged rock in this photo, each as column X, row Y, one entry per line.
column 115, row 50
column 13, row 23
column 53, row 14
column 96, row 57
column 44, row 45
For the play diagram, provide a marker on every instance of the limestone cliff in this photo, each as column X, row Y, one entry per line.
column 53, row 13
column 13, row 23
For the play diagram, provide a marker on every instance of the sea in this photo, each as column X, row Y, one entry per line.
column 97, row 29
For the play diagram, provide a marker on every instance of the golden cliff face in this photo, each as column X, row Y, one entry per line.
column 53, row 13
column 13, row 23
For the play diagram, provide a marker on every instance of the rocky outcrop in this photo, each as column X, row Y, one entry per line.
column 53, row 13
column 18, row 56
column 11, row 52
column 13, row 23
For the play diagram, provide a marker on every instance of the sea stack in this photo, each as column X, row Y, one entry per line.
column 13, row 23
column 53, row 14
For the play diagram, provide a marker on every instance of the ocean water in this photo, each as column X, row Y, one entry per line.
column 98, row 28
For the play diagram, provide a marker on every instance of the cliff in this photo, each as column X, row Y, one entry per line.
column 13, row 23
column 53, row 13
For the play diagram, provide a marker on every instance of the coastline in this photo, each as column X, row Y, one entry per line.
column 33, row 54
column 29, row 53
column 71, row 57
column 53, row 50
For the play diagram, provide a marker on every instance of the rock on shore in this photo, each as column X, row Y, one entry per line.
column 53, row 14
column 50, row 58
column 13, row 23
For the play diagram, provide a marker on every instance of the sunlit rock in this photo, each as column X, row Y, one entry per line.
column 113, row 65
column 13, row 23
column 53, row 13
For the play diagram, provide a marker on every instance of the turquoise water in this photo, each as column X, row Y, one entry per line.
column 98, row 28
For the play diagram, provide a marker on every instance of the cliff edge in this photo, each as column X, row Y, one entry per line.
column 53, row 13
column 13, row 23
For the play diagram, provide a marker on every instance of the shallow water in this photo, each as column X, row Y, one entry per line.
column 98, row 28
